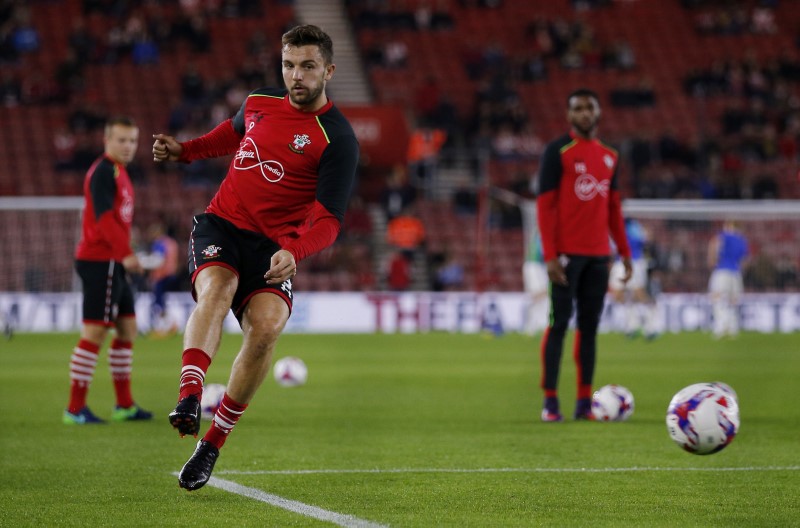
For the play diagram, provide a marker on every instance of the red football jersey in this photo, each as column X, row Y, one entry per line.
column 578, row 203
column 107, row 213
column 292, row 173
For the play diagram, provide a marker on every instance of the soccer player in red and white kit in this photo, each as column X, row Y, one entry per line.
column 283, row 199
column 103, row 259
column 578, row 207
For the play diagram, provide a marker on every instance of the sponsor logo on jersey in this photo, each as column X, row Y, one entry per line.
column 211, row 252
column 608, row 160
column 248, row 157
column 587, row 187
column 299, row 143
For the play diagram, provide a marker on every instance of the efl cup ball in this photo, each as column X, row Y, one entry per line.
column 290, row 372
column 702, row 418
column 211, row 400
column 612, row 403
column 724, row 387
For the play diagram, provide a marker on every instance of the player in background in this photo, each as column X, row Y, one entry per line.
column 162, row 263
column 104, row 258
column 535, row 282
column 727, row 253
column 283, row 199
column 578, row 209
column 632, row 297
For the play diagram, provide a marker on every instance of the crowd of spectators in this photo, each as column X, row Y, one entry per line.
column 760, row 123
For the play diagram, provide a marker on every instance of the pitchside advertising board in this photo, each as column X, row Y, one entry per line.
column 409, row 312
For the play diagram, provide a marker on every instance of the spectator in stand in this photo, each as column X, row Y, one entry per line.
column 406, row 232
column 449, row 273
column 398, row 276
column 399, row 193
column 424, row 147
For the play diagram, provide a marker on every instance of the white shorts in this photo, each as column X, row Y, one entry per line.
column 534, row 277
column 726, row 282
column 638, row 280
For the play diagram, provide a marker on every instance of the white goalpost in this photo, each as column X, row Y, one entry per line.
column 679, row 235
column 38, row 237
column 680, row 231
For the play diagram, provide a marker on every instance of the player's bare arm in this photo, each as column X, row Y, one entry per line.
column 166, row 148
column 282, row 267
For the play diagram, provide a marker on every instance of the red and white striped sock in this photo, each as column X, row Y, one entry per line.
column 81, row 371
column 193, row 372
column 225, row 419
column 120, row 361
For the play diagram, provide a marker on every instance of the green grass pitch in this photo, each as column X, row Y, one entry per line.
column 409, row 431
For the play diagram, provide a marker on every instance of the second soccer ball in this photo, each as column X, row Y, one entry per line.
column 290, row 372
column 612, row 403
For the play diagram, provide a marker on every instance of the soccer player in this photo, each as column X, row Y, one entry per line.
column 103, row 260
column 534, row 280
column 163, row 277
column 283, row 199
column 578, row 209
column 632, row 297
column 726, row 255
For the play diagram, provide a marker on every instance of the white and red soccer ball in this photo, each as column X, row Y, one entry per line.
column 612, row 403
column 211, row 400
column 703, row 418
column 290, row 372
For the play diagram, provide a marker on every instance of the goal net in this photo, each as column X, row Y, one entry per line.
column 679, row 232
column 38, row 237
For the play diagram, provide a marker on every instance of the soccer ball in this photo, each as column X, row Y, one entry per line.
column 702, row 418
column 612, row 403
column 290, row 372
column 724, row 387
column 211, row 400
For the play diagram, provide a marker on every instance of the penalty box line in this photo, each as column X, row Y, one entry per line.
column 315, row 512
column 502, row 470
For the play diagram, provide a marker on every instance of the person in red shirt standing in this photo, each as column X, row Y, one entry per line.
column 284, row 198
column 578, row 209
column 103, row 260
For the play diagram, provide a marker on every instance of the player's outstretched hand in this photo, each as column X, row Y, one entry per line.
column 282, row 267
column 166, row 148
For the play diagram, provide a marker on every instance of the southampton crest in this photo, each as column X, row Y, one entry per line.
column 299, row 143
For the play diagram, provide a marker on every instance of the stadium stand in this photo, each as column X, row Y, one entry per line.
column 502, row 69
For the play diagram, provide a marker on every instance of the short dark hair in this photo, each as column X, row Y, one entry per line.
column 120, row 120
column 582, row 92
column 309, row 35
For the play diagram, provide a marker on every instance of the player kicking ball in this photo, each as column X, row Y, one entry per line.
column 284, row 198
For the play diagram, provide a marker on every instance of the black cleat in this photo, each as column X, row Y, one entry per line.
column 186, row 416
column 198, row 468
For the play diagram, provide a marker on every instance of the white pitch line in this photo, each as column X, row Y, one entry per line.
column 500, row 470
column 348, row 521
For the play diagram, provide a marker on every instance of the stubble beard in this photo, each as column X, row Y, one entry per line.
column 309, row 99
